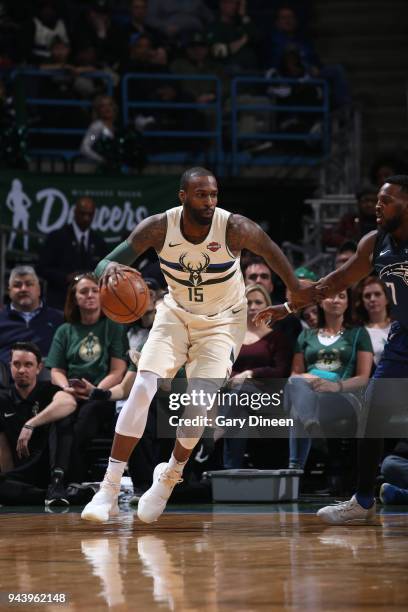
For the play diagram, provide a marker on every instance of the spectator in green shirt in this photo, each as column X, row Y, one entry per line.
column 88, row 346
column 330, row 364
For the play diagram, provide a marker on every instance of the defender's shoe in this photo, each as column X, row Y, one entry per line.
column 152, row 503
column 347, row 513
column 103, row 505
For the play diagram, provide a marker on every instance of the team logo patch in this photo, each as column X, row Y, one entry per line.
column 397, row 269
column 195, row 269
column 213, row 246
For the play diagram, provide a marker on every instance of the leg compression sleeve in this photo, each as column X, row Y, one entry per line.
column 133, row 416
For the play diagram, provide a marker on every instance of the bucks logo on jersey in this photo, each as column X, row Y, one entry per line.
column 90, row 348
column 195, row 269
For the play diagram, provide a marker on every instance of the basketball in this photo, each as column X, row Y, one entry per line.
column 126, row 301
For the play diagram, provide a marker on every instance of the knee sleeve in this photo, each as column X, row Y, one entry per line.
column 133, row 416
column 189, row 435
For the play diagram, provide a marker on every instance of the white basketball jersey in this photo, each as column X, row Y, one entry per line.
column 203, row 278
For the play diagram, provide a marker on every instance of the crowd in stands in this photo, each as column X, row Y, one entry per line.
column 68, row 41
column 64, row 374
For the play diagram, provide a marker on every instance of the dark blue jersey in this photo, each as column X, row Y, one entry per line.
column 390, row 261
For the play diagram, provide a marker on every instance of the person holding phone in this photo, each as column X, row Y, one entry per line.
column 87, row 345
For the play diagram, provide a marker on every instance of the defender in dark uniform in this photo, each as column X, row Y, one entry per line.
column 386, row 250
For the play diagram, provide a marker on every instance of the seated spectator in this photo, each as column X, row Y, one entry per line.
column 286, row 35
column 144, row 57
column 196, row 60
column 137, row 23
column 27, row 318
column 372, row 309
column 257, row 271
column 73, row 249
column 102, row 128
column 25, row 469
column 353, row 226
column 301, row 93
column 344, row 253
column 309, row 317
column 177, row 19
column 394, row 469
column 87, row 346
column 41, row 30
column 97, row 29
column 265, row 353
column 233, row 38
column 286, row 32
column 330, row 363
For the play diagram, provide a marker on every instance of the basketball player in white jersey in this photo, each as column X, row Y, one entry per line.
column 200, row 323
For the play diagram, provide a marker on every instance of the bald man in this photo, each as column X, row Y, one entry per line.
column 73, row 249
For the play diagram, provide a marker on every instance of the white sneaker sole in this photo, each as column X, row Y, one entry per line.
column 99, row 514
column 355, row 521
column 144, row 513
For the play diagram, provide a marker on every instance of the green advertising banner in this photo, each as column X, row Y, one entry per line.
column 44, row 203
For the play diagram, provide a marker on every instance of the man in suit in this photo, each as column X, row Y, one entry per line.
column 73, row 249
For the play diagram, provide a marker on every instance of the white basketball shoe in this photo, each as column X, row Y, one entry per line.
column 152, row 503
column 103, row 505
column 347, row 513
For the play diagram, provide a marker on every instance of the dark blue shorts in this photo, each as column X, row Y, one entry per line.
column 394, row 360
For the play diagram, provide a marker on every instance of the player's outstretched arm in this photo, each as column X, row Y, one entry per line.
column 150, row 232
column 356, row 268
column 242, row 233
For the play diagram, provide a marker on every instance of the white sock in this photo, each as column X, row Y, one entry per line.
column 115, row 471
column 178, row 466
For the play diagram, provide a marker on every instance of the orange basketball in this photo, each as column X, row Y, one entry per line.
column 128, row 300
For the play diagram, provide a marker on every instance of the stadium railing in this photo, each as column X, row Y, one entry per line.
column 269, row 106
column 213, row 155
column 37, row 101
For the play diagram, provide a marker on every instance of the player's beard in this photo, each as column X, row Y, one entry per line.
column 196, row 216
column 391, row 225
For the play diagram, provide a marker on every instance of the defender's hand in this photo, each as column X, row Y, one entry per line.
column 270, row 315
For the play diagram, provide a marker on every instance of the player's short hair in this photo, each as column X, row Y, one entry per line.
column 29, row 347
column 22, row 271
column 399, row 179
column 192, row 173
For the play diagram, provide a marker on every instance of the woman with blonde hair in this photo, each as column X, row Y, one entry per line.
column 265, row 353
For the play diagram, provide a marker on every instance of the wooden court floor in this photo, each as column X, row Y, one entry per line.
column 206, row 559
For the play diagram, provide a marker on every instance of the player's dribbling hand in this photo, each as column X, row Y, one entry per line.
column 270, row 315
column 114, row 272
column 22, row 443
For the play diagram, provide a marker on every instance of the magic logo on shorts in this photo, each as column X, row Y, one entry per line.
column 396, row 269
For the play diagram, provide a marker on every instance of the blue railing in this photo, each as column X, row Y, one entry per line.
column 240, row 158
column 236, row 157
column 148, row 105
column 34, row 101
